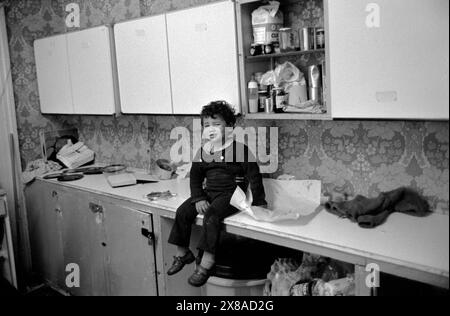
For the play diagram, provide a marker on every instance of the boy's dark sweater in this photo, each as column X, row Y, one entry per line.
column 224, row 170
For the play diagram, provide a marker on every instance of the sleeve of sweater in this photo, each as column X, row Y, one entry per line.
column 197, row 175
column 254, row 177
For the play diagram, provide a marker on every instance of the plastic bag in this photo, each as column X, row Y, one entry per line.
column 283, row 75
column 267, row 21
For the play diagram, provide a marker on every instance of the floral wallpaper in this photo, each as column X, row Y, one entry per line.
column 356, row 157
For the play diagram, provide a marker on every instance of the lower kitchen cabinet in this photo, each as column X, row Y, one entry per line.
column 82, row 245
column 111, row 244
column 131, row 268
column 45, row 231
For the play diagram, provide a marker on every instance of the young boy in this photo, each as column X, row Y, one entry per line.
column 224, row 164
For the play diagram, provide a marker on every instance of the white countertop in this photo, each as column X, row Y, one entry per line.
column 418, row 244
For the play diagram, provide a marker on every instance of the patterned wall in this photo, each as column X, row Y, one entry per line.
column 364, row 157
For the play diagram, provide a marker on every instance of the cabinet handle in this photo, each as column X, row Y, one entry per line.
column 149, row 235
column 54, row 194
column 58, row 209
column 95, row 208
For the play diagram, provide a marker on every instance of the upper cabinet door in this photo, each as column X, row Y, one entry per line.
column 203, row 56
column 389, row 58
column 143, row 66
column 91, row 71
column 53, row 75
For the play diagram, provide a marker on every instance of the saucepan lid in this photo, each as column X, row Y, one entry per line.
column 86, row 170
column 114, row 169
column 53, row 176
column 70, row 177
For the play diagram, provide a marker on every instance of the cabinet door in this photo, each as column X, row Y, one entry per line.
column 84, row 243
column 203, row 57
column 131, row 257
column 44, row 210
column 76, row 243
column 91, row 71
column 52, row 69
column 143, row 66
column 388, row 58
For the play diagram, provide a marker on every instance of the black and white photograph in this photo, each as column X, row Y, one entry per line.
column 224, row 153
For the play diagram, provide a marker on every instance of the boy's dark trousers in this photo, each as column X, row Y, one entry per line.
column 219, row 209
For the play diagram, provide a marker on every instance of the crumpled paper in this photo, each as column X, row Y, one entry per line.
column 183, row 170
column 287, row 200
column 37, row 168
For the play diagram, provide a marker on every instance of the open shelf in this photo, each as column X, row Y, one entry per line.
column 286, row 54
column 302, row 59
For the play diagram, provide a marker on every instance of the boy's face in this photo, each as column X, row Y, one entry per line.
column 214, row 128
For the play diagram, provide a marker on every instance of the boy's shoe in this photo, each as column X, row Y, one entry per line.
column 200, row 276
column 180, row 262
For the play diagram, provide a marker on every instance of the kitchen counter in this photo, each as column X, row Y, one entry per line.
column 406, row 246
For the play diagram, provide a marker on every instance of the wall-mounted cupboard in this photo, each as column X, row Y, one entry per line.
column 379, row 60
column 76, row 73
column 178, row 62
column 143, row 66
column 389, row 58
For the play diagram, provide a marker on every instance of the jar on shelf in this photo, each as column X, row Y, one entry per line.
column 320, row 38
column 289, row 40
column 267, row 49
column 256, row 50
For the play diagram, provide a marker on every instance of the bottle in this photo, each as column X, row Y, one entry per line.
column 315, row 83
column 279, row 100
column 253, row 95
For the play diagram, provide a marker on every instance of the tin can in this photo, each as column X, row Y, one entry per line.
column 268, row 105
column 307, row 38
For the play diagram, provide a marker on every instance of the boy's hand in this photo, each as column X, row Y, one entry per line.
column 202, row 207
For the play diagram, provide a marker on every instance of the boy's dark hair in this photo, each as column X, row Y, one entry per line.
column 219, row 108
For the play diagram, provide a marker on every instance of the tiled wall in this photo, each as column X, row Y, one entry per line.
column 364, row 157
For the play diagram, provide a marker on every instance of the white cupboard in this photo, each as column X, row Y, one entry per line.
column 52, row 67
column 178, row 62
column 388, row 59
column 203, row 56
column 76, row 73
column 143, row 66
column 91, row 67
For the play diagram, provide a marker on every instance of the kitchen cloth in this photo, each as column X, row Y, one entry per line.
column 369, row 213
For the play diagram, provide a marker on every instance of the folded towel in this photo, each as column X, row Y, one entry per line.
column 369, row 213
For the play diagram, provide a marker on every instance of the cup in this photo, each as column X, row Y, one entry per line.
column 268, row 106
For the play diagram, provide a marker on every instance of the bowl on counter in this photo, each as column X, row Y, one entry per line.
column 164, row 169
